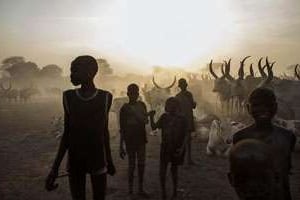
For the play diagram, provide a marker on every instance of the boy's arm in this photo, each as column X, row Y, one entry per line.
column 186, row 134
column 110, row 166
column 122, row 123
column 146, row 113
column 63, row 146
column 193, row 101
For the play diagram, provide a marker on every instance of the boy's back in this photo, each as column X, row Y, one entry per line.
column 283, row 142
column 283, row 139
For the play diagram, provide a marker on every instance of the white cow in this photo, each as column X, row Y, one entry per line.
column 291, row 125
column 220, row 136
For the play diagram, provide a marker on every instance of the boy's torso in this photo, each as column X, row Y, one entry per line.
column 134, row 120
column 86, row 119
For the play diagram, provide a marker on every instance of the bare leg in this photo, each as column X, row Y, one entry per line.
column 141, row 157
column 77, row 185
column 174, row 171
column 162, row 176
column 189, row 149
column 131, row 167
column 99, row 186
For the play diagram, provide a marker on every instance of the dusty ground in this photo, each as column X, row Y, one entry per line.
column 27, row 149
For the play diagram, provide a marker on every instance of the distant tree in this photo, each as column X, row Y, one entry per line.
column 104, row 67
column 23, row 74
column 51, row 71
column 8, row 62
column 13, row 60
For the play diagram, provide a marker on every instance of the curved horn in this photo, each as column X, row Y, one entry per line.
column 222, row 69
column 211, row 70
column 241, row 72
column 296, row 72
column 251, row 70
column 261, row 71
column 227, row 70
column 170, row 86
column 155, row 84
column 272, row 64
column 269, row 78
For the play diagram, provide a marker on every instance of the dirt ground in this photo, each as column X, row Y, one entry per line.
column 27, row 150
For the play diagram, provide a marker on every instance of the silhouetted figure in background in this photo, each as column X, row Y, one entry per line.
column 253, row 171
column 133, row 118
column 187, row 104
column 86, row 136
column 174, row 128
column 263, row 107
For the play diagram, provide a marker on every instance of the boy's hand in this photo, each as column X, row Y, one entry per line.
column 122, row 153
column 111, row 170
column 151, row 113
column 50, row 180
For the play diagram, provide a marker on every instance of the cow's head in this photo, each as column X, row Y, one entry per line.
column 236, row 85
column 221, row 85
column 267, row 78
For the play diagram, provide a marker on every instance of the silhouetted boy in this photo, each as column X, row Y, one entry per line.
column 263, row 107
column 253, row 171
column 187, row 104
column 174, row 129
column 133, row 118
column 86, row 136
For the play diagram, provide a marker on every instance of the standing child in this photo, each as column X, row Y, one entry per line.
column 86, row 136
column 174, row 128
column 133, row 118
column 187, row 104
column 262, row 107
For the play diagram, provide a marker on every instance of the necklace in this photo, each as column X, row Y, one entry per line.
column 86, row 98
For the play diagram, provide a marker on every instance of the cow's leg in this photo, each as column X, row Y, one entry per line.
column 226, row 153
column 209, row 150
column 218, row 152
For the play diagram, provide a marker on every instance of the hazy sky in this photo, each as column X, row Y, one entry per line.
column 137, row 34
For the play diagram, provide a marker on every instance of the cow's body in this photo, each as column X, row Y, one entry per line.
column 220, row 136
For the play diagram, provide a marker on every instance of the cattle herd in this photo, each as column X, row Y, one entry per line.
column 222, row 94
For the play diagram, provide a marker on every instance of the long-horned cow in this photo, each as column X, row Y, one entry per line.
column 157, row 96
column 237, row 86
column 221, row 87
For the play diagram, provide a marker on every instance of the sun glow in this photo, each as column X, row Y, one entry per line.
column 170, row 32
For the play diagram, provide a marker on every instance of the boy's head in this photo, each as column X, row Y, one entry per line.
column 262, row 104
column 133, row 92
column 83, row 70
column 171, row 105
column 182, row 84
column 252, row 170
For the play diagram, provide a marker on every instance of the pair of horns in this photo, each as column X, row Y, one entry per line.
column 226, row 72
column 168, row 87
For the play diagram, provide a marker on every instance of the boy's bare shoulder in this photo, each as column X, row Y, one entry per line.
column 69, row 92
column 142, row 103
column 284, row 132
column 244, row 133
